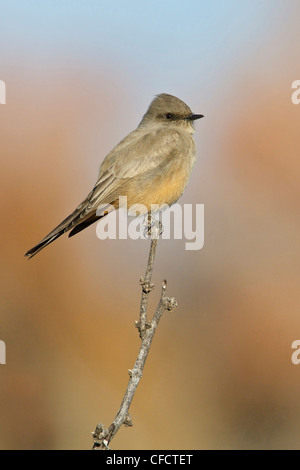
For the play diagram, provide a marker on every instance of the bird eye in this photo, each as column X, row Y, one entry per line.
column 169, row 116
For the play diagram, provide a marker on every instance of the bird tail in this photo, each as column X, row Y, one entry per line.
column 42, row 244
column 77, row 217
column 81, row 218
column 63, row 227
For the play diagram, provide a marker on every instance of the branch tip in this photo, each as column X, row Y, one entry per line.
column 170, row 303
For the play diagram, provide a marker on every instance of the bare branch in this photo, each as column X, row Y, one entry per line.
column 101, row 435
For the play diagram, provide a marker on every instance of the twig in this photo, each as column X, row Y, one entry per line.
column 101, row 435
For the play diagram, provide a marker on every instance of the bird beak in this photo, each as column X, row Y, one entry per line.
column 193, row 117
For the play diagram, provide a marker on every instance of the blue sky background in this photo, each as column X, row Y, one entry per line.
column 159, row 43
column 202, row 52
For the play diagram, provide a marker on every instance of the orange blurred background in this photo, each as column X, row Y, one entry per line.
column 219, row 374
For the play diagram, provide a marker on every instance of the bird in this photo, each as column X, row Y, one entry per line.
column 151, row 165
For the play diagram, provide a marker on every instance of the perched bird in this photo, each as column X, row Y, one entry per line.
column 151, row 165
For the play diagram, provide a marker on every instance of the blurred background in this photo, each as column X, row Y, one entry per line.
column 79, row 76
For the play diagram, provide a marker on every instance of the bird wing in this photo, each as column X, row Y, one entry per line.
column 139, row 153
